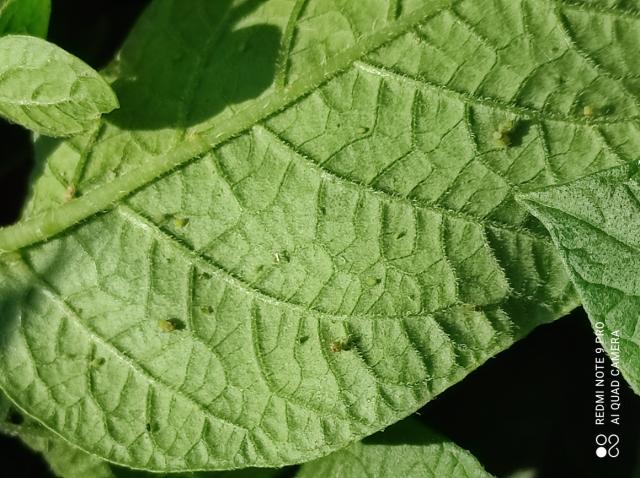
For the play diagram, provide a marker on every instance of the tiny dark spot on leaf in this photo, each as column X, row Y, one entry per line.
column 148, row 427
column 303, row 339
column 207, row 309
column 400, row 235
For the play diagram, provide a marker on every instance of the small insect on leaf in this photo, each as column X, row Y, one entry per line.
column 69, row 193
column 180, row 222
column 502, row 135
column 372, row 281
column 97, row 362
column 303, row 339
column 588, row 111
column 280, row 257
column 169, row 325
column 342, row 345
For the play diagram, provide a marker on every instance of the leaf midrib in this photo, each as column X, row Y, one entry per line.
column 55, row 221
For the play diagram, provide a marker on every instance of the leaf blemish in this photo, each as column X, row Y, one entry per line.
column 372, row 281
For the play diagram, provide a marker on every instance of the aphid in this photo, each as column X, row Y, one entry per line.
column 279, row 257
column 342, row 345
column 180, row 222
column 166, row 325
column 169, row 325
column 303, row 339
column 362, row 130
column 372, row 281
column 588, row 111
column 470, row 308
column 97, row 362
column 503, row 134
column 70, row 192
column 152, row 427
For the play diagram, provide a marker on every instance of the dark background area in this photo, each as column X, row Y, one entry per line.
column 529, row 408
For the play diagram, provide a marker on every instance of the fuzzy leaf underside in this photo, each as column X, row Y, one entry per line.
column 407, row 449
column 67, row 461
column 310, row 224
column 28, row 17
column 595, row 222
column 49, row 91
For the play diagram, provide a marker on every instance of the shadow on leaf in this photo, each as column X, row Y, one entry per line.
column 188, row 76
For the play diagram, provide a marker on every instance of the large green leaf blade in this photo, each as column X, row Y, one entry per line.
column 407, row 449
column 595, row 222
column 48, row 90
column 28, row 17
column 295, row 265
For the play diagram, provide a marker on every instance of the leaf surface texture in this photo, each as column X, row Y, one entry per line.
column 595, row 222
column 310, row 225
column 407, row 449
column 49, row 91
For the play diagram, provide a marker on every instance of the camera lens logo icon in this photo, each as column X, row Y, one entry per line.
column 607, row 446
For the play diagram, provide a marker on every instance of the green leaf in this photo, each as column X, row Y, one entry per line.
column 301, row 225
column 67, row 461
column 49, row 91
column 407, row 449
column 595, row 222
column 28, row 17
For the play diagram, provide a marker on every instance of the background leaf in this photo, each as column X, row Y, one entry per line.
column 407, row 449
column 47, row 90
column 595, row 222
column 28, row 17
